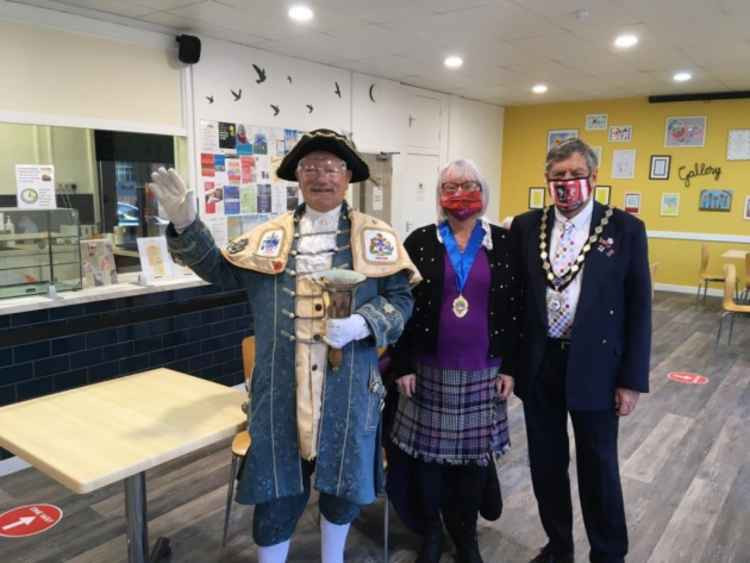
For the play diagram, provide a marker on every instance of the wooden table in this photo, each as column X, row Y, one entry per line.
column 735, row 254
column 96, row 435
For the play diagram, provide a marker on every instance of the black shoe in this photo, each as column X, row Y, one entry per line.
column 547, row 555
column 464, row 535
column 432, row 546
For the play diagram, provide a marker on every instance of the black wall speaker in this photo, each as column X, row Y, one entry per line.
column 190, row 48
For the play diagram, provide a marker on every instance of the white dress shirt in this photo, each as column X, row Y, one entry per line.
column 582, row 227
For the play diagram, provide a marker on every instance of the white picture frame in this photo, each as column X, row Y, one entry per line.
column 670, row 205
column 596, row 122
column 685, row 131
column 623, row 164
column 632, row 202
column 557, row 136
column 620, row 134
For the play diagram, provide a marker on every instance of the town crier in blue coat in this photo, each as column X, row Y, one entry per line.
column 584, row 349
column 305, row 417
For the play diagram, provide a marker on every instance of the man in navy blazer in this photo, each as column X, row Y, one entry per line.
column 584, row 350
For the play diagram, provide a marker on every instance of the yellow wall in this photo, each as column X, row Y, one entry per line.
column 524, row 148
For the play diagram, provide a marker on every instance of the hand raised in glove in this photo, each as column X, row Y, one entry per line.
column 178, row 202
column 340, row 332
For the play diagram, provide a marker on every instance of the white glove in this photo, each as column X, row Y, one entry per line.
column 340, row 332
column 178, row 202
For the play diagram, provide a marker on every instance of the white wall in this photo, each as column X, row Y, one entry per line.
column 128, row 79
column 476, row 132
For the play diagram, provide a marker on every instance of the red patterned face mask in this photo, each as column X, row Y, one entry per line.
column 463, row 205
column 569, row 195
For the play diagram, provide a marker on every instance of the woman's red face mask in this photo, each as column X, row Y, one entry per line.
column 570, row 193
column 462, row 205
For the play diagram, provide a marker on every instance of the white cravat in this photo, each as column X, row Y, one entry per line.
column 582, row 226
column 316, row 252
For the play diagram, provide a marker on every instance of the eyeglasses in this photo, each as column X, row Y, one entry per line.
column 453, row 187
column 327, row 168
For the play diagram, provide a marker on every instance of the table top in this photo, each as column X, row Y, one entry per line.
column 95, row 435
column 734, row 254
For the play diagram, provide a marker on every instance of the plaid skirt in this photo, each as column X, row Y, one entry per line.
column 454, row 416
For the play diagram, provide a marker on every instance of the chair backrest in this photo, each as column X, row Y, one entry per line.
column 730, row 280
column 248, row 358
column 704, row 258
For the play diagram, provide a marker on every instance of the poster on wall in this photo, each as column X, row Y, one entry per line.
column 738, row 144
column 715, row 200
column 685, row 131
column 746, row 215
column 670, row 205
column 35, row 186
column 596, row 122
column 555, row 137
column 623, row 164
column 238, row 186
column 620, row 134
column 633, row 203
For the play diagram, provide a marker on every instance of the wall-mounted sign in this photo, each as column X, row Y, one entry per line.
column 701, row 169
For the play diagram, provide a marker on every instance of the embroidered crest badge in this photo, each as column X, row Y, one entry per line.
column 380, row 246
column 236, row 246
column 270, row 243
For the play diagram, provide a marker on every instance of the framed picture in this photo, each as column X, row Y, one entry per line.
column 670, row 205
column 660, row 164
column 747, row 208
column 536, row 198
column 620, row 134
column 685, row 131
column 598, row 151
column 715, row 200
column 555, row 137
column 596, row 122
column 623, row 164
column 602, row 194
column 633, row 203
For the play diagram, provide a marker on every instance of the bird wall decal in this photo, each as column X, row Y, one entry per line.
column 372, row 90
column 237, row 95
column 275, row 109
column 261, row 74
column 289, row 78
column 210, row 99
column 309, row 108
column 337, row 91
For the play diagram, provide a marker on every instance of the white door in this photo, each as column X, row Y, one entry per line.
column 416, row 196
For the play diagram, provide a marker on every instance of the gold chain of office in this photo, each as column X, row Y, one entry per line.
column 560, row 282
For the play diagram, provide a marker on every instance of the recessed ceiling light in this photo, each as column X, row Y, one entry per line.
column 682, row 77
column 626, row 41
column 539, row 88
column 301, row 13
column 453, row 61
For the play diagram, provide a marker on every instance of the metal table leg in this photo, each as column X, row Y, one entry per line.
column 135, row 510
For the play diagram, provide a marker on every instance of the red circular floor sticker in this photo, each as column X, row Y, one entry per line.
column 29, row 520
column 687, row 378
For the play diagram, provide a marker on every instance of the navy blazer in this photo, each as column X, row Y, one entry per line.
column 611, row 336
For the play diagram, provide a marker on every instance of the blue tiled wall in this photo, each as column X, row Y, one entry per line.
column 196, row 331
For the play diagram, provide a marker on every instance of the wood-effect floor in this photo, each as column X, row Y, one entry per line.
column 684, row 458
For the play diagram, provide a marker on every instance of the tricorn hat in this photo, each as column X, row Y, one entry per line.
column 328, row 141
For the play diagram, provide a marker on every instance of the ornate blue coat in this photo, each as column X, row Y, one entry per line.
column 348, row 463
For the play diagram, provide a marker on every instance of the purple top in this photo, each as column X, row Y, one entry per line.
column 464, row 343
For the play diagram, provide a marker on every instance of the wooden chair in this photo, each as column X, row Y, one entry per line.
column 729, row 306
column 241, row 441
column 704, row 278
column 653, row 266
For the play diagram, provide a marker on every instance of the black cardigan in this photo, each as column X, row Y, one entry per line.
column 420, row 334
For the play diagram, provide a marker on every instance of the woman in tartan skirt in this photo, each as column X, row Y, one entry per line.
column 453, row 362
